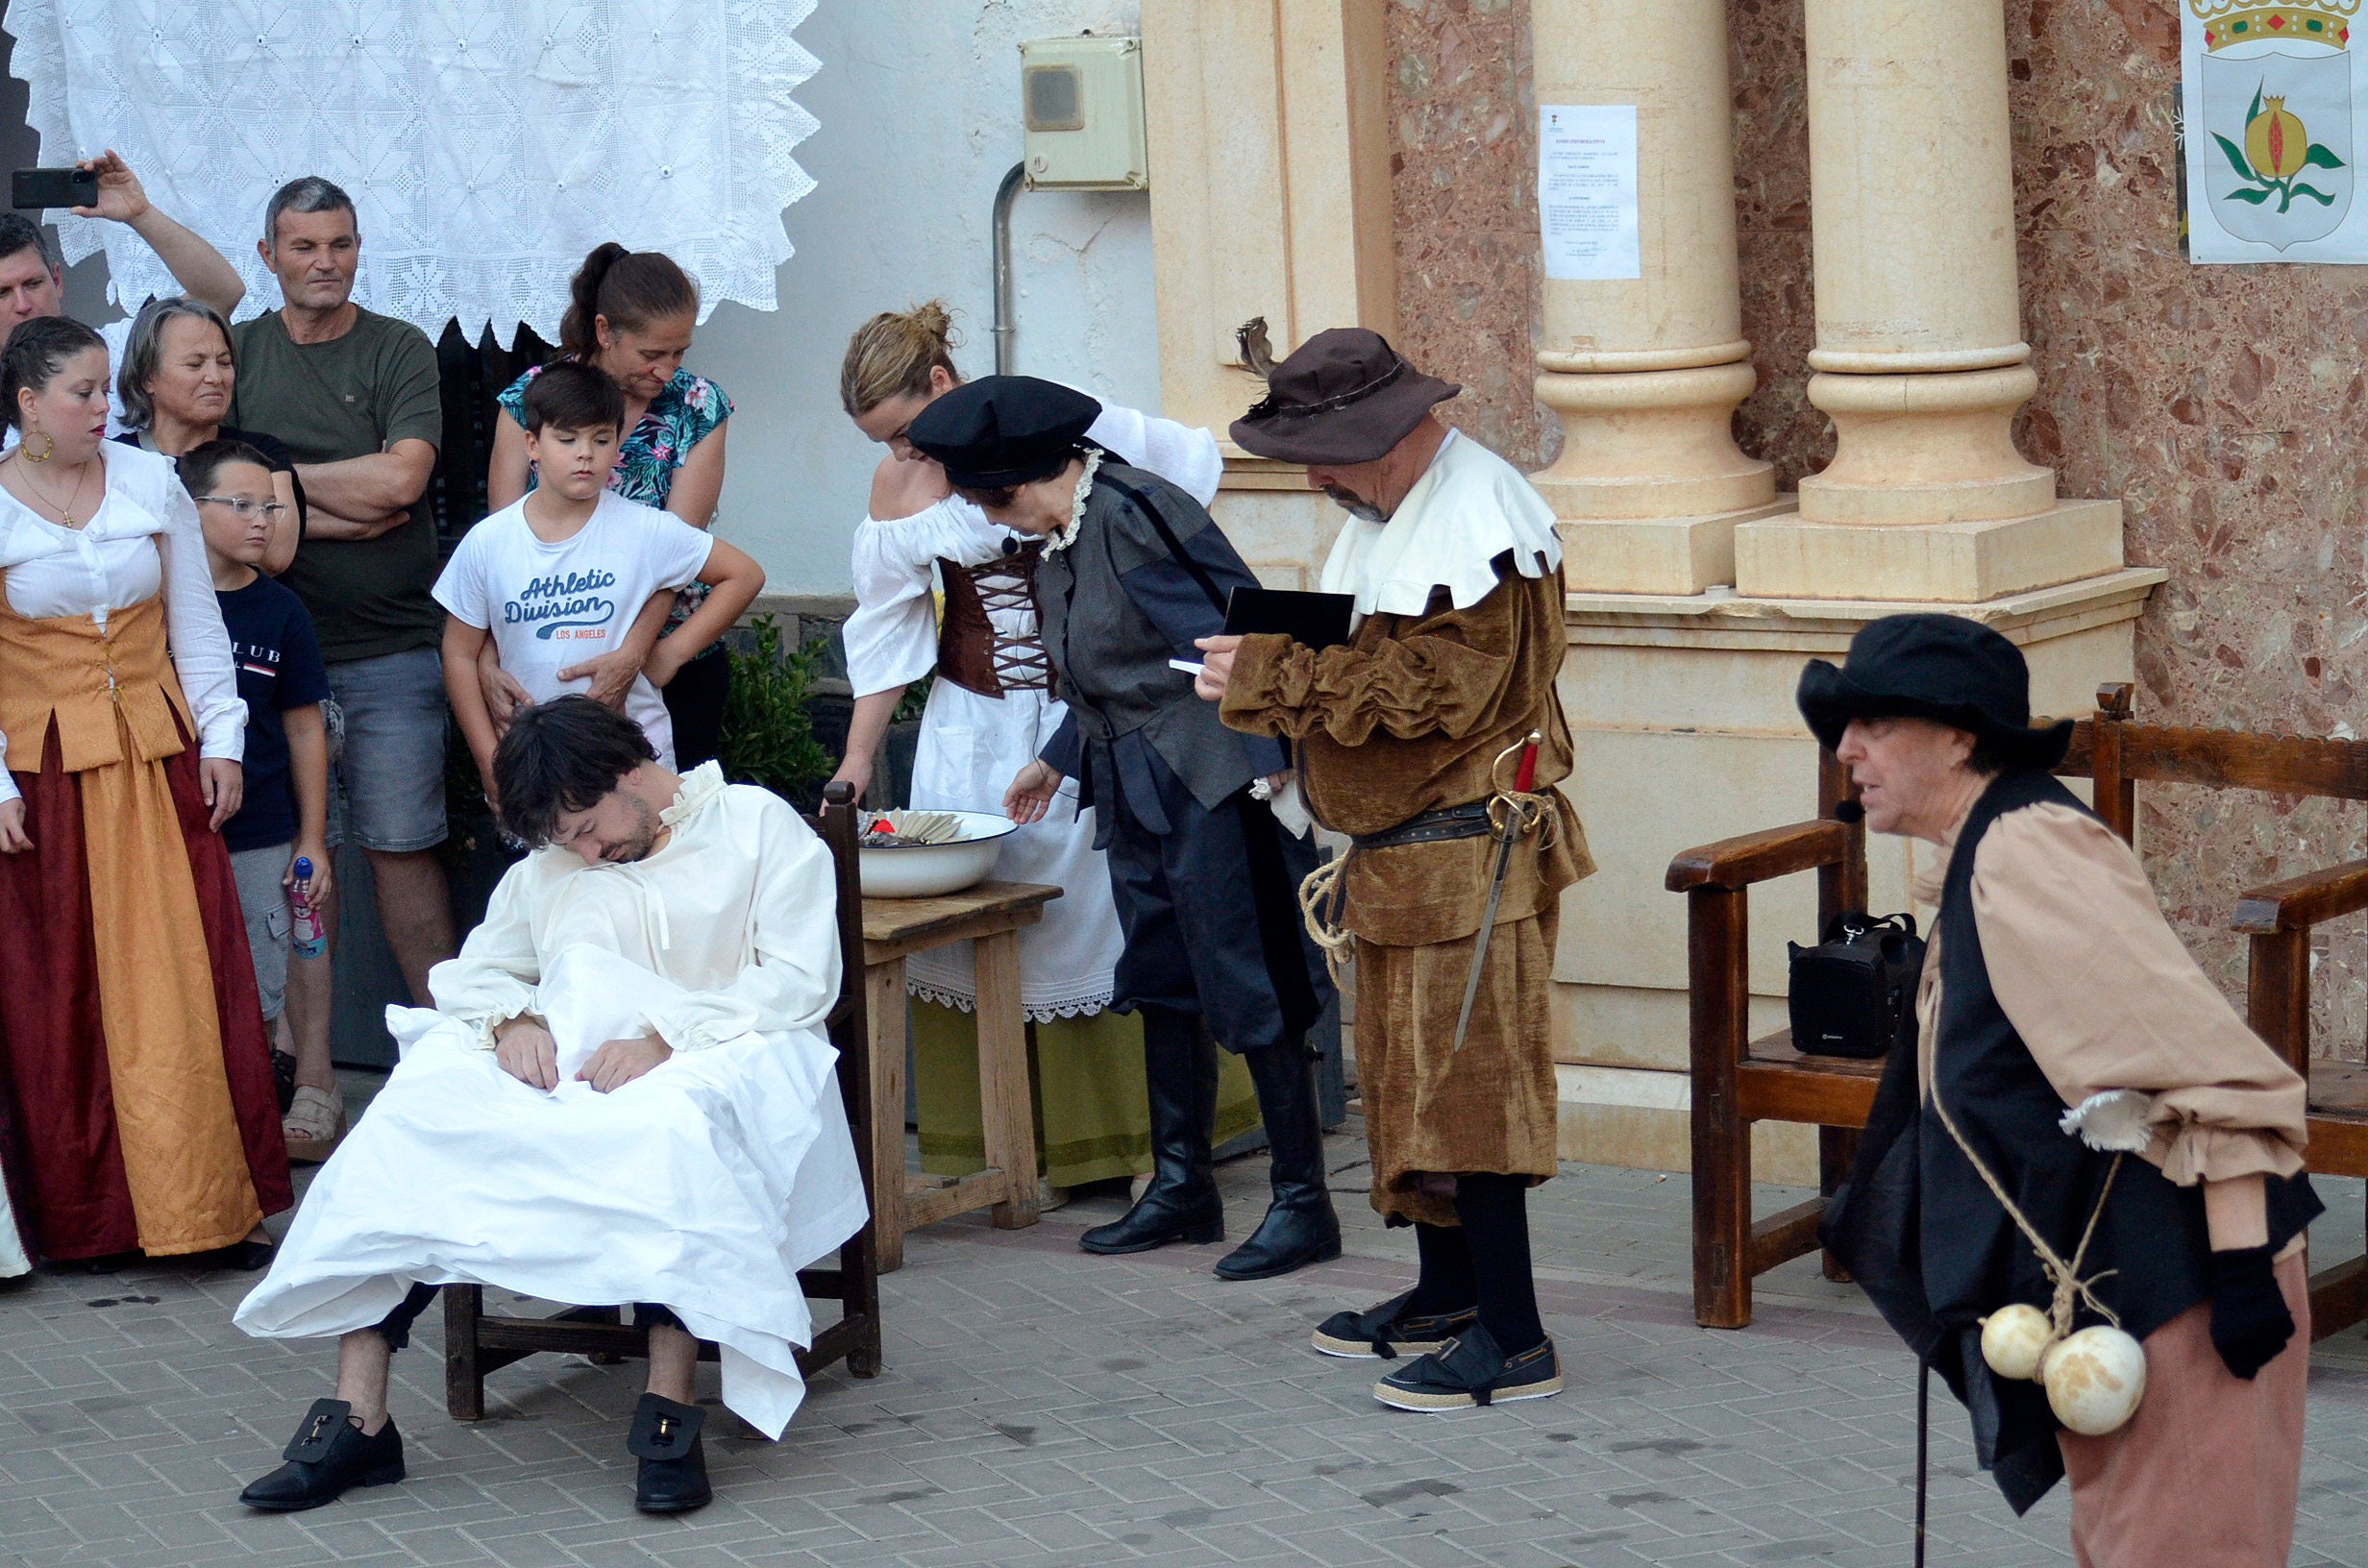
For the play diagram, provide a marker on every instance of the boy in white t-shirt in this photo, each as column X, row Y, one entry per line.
column 556, row 578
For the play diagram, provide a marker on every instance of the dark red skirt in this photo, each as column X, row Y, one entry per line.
column 64, row 1164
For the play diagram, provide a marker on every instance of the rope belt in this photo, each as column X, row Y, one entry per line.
column 1324, row 894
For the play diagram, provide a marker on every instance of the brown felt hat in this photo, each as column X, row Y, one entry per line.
column 1345, row 397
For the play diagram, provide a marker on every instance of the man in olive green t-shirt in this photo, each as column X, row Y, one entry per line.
column 354, row 395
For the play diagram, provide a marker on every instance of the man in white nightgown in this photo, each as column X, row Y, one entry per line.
column 624, row 1093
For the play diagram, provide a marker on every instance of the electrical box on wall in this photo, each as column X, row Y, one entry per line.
column 1083, row 99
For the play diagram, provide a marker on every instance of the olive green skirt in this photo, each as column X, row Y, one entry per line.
column 1085, row 1075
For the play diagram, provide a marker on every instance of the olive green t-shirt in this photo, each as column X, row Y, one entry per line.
column 350, row 397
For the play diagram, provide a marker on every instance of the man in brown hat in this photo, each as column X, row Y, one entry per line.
column 1433, row 738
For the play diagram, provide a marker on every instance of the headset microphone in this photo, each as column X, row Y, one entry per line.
column 1849, row 810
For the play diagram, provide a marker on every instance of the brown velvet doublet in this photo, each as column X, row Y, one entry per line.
column 1407, row 717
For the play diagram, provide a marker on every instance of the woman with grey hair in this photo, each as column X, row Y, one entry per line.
column 178, row 376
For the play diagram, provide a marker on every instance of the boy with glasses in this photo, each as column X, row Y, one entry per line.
column 282, row 819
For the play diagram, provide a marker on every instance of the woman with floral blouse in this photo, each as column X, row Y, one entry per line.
column 630, row 317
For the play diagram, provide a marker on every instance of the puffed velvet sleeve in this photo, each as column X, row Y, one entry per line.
column 1440, row 673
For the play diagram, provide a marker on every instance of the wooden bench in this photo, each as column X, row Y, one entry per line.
column 1737, row 1081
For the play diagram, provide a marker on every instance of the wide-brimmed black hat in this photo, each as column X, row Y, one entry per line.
column 1940, row 666
column 1002, row 430
column 1345, row 397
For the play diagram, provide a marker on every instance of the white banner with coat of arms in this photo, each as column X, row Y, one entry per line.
column 2271, row 95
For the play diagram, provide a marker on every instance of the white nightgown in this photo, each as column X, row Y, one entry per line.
column 704, row 1185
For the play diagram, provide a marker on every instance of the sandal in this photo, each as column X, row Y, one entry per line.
column 314, row 1124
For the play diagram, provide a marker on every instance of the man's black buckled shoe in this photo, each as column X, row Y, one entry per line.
column 1472, row 1371
column 665, row 1437
column 1387, row 1331
column 328, row 1455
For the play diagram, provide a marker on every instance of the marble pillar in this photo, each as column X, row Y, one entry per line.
column 1920, row 360
column 1645, row 374
column 1682, row 702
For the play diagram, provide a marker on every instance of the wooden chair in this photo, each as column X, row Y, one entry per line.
column 476, row 1343
column 1737, row 1081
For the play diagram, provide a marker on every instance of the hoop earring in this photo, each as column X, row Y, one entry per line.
column 49, row 445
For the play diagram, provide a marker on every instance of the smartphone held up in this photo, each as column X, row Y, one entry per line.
column 32, row 189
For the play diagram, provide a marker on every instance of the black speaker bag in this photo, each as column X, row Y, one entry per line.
column 1854, row 994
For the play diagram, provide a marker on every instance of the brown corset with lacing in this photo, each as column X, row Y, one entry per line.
column 972, row 652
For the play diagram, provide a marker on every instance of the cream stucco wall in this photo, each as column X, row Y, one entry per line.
column 919, row 102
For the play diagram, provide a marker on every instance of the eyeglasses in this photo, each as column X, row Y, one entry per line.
column 244, row 508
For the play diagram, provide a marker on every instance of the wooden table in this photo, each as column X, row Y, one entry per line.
column 990, row 916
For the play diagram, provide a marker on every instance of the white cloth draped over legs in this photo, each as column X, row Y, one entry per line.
column 704, row 1185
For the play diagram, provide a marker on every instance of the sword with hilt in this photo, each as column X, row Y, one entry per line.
column 1521, row 812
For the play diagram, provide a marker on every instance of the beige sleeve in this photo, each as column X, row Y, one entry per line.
column 2098, row 986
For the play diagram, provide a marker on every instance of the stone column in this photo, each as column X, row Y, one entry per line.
column 1681, row 700
column 1645, row 374
column 1920, row 360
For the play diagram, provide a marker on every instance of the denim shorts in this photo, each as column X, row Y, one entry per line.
column 271, row 925
column 387, row 791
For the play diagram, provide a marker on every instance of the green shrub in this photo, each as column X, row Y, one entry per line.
column 768, row 738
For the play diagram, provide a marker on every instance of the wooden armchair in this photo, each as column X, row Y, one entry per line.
column 1737, row 1081
column 476, row 1343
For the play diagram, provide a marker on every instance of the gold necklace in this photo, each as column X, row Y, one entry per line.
column 64, row 513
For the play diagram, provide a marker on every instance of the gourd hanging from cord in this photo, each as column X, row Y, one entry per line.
column 2094, row 1377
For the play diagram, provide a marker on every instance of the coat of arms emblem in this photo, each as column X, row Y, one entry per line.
column 2273, row 129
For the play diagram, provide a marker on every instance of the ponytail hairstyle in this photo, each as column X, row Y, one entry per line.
column 891, row 356
column 632, row 288
column 36, row 351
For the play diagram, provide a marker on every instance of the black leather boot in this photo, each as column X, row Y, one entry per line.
column 1180, row 1066
column 673, row 1477
column 1300, row 1227
column 328, row 1455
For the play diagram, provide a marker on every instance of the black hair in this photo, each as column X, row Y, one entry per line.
column 1992, row 755
column 632, row 288
column 998, row 497
column 566, row 754
column 36, row 351
column 571, row 395
column 18, row 233
column 202, row 464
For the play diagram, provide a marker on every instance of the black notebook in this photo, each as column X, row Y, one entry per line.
column 1318, row 619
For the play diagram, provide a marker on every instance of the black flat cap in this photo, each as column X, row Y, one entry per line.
column 1943, row 668
column 1001, row 431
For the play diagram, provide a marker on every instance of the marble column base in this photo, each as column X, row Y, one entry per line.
column 1951, row 563
column 1652, row 555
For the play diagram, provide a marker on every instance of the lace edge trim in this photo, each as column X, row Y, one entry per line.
column 1048, row 1013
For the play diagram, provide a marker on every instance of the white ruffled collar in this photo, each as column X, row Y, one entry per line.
column 701, row 785
column 1469, row 507
column 1066, row 535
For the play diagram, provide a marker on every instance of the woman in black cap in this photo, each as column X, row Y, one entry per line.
column 2060, row 1029
column 1205, row 877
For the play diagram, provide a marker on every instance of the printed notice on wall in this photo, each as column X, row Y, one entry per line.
column 1587, row 190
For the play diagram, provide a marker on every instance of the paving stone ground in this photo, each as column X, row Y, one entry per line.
column 1041, row 1409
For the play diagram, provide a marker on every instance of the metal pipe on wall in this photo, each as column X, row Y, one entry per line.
column 1006, row 325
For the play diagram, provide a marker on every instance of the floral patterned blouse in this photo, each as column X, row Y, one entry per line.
column 678, row 418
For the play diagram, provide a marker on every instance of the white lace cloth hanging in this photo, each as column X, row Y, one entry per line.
column 488, row 144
